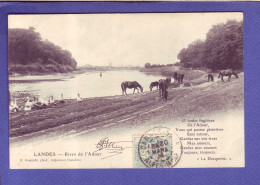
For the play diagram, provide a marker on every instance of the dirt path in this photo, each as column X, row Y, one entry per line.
column 74, row 118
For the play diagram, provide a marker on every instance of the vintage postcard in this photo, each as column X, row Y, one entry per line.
column 132, row 90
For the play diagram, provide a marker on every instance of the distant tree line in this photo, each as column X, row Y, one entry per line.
column 222, row 49
column 28, row 53
column 148, row 65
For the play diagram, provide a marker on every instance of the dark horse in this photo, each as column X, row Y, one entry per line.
column 163, row 86
column 210, row 78
column 154, row 84
column 175, row 76
column 178, row 77
column 131, row 85
column 228, row 73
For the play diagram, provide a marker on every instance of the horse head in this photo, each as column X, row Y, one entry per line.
column 234, row 74
column 141, row 88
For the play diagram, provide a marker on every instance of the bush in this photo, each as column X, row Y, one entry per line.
column 177, row 64
column 147, row 65
column 18, row 69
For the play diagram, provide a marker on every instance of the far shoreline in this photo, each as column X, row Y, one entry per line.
column 78, row 71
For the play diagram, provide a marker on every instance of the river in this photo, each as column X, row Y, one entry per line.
column 89, row 84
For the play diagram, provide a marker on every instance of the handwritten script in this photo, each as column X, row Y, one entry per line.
column 112, row 148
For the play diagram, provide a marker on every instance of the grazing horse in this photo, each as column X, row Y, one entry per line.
column 131, row 85
column 180, row 78
column 210, row 78
column 154, row 84
column 228, row 73
column 163, row 86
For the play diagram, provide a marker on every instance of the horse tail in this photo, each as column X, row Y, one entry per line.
column 123, row 87
column 160, row 87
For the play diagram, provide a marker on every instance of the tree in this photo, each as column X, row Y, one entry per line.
column 222, row 49
column 147, row 65
column 26, row 48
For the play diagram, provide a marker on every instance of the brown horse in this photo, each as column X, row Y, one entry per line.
column 163, row 86
column 180, row 78
column 154, row 84
column 175, row 76
column 228, row 73
column 131, row 85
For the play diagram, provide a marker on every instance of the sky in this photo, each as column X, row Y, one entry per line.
column 123, row 39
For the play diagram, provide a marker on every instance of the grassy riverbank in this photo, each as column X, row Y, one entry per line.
column 192, row 77
column 169, row 71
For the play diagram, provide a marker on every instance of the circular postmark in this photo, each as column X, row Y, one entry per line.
column 160, row 147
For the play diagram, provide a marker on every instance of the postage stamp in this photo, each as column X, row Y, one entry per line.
column 159, row 147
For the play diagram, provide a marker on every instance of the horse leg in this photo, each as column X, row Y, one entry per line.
column 222, row 78
column 163, row 95
column 162, row 92
column 124, row 91
column 134, row 91
column 229, row 78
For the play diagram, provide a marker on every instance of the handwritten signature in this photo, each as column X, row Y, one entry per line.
column 113, row 148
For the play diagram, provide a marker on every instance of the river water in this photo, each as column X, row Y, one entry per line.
column 89, row 84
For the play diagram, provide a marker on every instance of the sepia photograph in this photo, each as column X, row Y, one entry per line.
column 126, row 90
